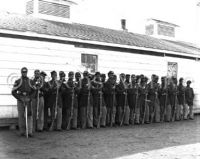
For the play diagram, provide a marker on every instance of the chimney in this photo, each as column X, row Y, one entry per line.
column 123, row 24
column 56, row 10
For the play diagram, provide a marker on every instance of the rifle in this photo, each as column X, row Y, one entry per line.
column 145, row 106
column 125, row 105
column 26, row 114
column 100, row 110
column 89, row 93
column 175, row 107
column 55, row 110
column 38, row 102
column 111, row 122
column 71, row 111
column 136, row 102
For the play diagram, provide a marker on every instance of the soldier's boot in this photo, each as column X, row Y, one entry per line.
column 103, row 116
column 74, row 118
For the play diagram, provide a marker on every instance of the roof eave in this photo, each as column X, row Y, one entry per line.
column 32, row 34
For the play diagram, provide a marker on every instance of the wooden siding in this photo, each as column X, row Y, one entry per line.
column 47, row 56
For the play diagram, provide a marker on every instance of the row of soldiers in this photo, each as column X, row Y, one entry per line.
column 92, row 101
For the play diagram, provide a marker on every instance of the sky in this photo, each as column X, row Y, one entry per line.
column 108, row 13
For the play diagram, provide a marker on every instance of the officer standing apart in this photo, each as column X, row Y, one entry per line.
column 23, row 92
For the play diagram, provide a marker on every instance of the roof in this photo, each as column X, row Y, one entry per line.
column 164, row 22
column 23, row 23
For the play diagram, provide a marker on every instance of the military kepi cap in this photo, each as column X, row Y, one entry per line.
column 43, row 73
column 53, row 72
column 24, row 69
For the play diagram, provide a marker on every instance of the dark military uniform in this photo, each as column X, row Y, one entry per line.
column 55, row 97
column 154, row 105
column 86, row 105
column 163, row 97
column 173, row 101
column 143, row 102
column 71, row 105
column 181, row 101
column 98, row 100
column 189, row 97
column 123, row 110
column 132, row 99
column 110, row 99
column 24, row 92
column 38, row 103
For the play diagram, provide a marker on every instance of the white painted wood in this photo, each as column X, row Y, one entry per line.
column 16, row 53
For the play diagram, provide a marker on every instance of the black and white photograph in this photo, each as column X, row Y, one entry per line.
column 99, row 79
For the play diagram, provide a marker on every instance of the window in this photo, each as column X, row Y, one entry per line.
column 90, row 62
column 172, row 69
column 166, row 30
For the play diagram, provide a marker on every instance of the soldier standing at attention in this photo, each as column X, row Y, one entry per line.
column 23, row 92
column 78, row 85
column 189, row 96
column 132, row 98
column 38, row 102
column 163, row 95
column 122, row 101
column 143, row 102
column 109, row 90
column 85, row 100
column 181, row 111
column 55, row 102
column 173, row 97
column 97, row 98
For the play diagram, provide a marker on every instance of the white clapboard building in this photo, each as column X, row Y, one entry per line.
column 46, row 39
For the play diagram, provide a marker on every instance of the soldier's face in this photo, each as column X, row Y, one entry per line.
column 37, row 74
column 71, row 77
column 54, row 76
column 24, row 74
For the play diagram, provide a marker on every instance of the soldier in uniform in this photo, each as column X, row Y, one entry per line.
column 154, row 106
column 78, row 84
column 173, row 97
column 38, row 102
column 23, row 92
column 181, row 111
column 71, row 103
column 86, row 102
column 132, row 98
column 109, row 91
column 137, row 106
column 122, row 101
column 97, row 95
column 189, row 97
column 142, row 101
column 55, row 101
column 163, row 96
column 44, row 89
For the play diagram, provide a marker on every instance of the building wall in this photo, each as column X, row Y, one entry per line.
column 46, row 56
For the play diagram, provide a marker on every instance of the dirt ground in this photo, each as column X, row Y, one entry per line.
column 104, row 143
